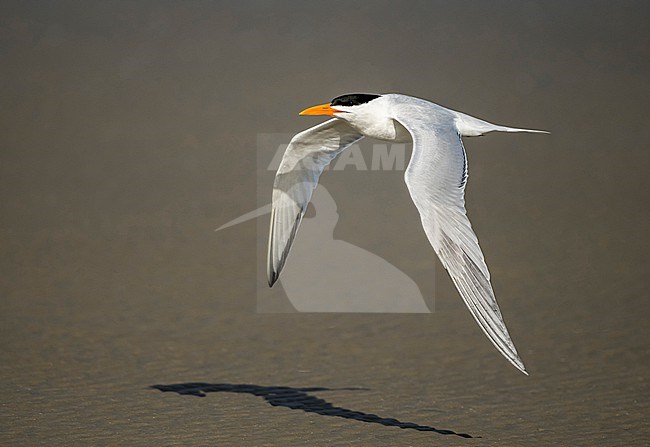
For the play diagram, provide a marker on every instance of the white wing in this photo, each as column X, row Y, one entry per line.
column 308, row 153
column 436, row 178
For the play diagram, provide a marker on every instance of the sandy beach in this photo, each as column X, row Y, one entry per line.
column 129, row 132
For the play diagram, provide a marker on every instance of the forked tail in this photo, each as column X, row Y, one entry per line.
column 468, row 126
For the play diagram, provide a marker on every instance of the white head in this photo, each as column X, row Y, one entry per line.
column 366, row 112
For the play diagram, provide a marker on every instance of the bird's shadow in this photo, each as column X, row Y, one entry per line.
column 298, row 399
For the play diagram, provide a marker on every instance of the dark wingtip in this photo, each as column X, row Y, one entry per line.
column 273, row 277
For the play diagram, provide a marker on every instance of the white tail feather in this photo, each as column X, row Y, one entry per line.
column 468, row 126
column 515, row 129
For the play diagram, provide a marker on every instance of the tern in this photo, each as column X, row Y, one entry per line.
column 436, row 178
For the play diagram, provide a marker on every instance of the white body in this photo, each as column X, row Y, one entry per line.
column 382, row 118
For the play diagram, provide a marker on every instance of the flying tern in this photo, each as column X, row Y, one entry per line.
column 436, row 177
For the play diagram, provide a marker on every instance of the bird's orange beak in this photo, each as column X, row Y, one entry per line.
column 322, row 109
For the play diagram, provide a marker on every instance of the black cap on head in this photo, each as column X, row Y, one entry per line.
column 353, row 99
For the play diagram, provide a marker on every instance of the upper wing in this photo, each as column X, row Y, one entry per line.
column 436, row 178
column 308, row 153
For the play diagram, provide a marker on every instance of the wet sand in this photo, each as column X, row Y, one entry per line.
column 128, row 134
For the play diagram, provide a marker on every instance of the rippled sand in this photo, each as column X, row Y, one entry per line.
column 128, row 133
